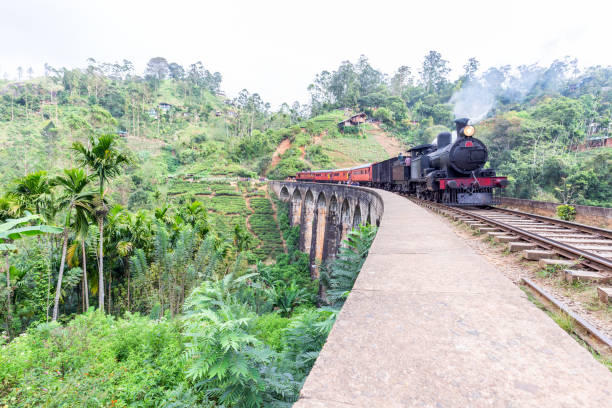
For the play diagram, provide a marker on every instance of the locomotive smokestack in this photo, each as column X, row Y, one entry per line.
column 461, row 123
column 463, row 129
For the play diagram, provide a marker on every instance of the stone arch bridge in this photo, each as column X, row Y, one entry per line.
column 326, row 213
column 430, row 322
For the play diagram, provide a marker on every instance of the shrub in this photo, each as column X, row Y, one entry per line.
column 269, row 329
column 566, row 212
column 92, row 361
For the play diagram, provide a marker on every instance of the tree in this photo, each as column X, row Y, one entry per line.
column 157, row 70
column 73, row 182
column 369, row 78
column 32, row 191
column 177, row 72
column 107, row 162
column 401, row 79
column 8, row 208
column 12, row 230
column 471, row 67
column 242, row 238
column 81, row 227
column 345, row 85
column 434, row 71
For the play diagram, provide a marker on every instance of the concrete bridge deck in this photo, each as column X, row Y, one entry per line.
column 430, row 323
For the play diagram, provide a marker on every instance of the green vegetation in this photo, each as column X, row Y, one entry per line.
column 566, row 212
column 153, row 222
column 265, row 227
column 160, row 274
column 534, row 119
column 340, row 275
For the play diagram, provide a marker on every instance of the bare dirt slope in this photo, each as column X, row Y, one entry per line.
column 282, row 148
column 389, row 143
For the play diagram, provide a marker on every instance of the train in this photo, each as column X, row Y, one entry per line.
column 446, row 171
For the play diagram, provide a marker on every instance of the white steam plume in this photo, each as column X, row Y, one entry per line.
column 473, row 101
column 478, row 96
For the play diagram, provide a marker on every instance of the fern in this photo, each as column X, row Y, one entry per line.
column 223, row 358
column 339, row 276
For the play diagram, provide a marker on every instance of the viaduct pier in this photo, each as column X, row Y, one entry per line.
column 429, row 322
column 326, row 213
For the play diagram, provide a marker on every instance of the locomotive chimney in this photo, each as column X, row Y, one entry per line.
column 461, row 123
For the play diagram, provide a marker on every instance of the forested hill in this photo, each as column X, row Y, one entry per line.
column 177, row 124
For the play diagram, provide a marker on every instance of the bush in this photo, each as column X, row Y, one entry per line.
column 269, row 329
column 95, row 360
column 566, row 212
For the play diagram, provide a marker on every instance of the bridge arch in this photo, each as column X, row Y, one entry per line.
column 357, row 216
column 326, row 213
column 345, row 220
column 318, row 234
column 306, row 221
column 295, row 209
column 331, row 229
column 284, row 194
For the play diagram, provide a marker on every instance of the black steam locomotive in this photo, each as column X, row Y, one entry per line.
column 447, row 172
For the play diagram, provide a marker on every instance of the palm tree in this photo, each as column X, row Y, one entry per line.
column 106, row 161
column 74, row 182
column 81, row 226
column 30, row 191
column 7, row 208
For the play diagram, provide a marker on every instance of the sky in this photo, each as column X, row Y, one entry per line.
column 276, row 48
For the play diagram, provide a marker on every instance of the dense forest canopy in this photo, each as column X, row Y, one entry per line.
column 142, row 192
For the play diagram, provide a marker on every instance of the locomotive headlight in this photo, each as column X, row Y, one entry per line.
column 468, row 131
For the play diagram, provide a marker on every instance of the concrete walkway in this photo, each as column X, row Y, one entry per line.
column 430, row 323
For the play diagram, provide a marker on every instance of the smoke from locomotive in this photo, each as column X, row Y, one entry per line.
column 449, row 171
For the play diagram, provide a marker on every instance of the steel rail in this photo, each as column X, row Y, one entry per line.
column 583, row 257
column 581, row 227
column 581, row 322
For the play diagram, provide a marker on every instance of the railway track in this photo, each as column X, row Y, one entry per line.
column 582, row 252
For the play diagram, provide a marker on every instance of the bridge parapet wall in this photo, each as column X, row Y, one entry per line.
column 326, row 213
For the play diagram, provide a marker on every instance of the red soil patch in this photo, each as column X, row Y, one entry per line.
column 282, row 148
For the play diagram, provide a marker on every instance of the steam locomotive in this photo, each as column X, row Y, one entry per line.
column 449, row 172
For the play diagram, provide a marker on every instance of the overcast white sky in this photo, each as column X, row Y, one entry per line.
column 277, row 47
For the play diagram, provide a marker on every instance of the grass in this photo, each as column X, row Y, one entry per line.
column 550, row 271
column 567, row 324
column 563, row 320
column 594, row 304
column 492, row 241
